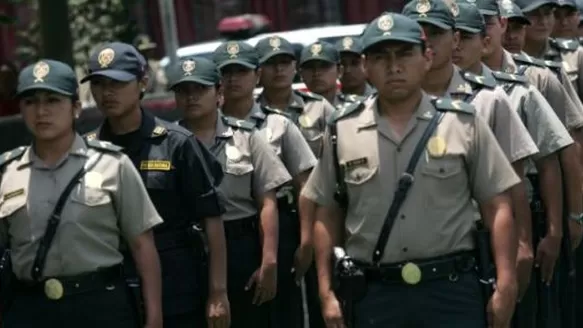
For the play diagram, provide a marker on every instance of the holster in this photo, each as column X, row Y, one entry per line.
column 348, row 282
column 7, row 280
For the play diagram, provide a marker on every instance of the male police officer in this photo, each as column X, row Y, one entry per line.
column 353, row 77
column 176, row 171
column 380, row 141
column 566, row 20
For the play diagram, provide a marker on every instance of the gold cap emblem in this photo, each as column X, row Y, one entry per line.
column 188, row 66
column 40, row 71
column 347, row 43
column 316, row 49
column 275, row 43
column 453, row 7
column 105, row 57
column 385, row 23
column 423, row 6
column 411, row 273
column 507, row 5
column 232, row 49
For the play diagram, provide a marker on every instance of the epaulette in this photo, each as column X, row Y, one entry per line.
column 308, row 95
column 507, row 77
column 565, row 44
column 347, row 110
column 487, row 82
column 91, row 136
column 238, row 124
column 351, row 97
column 158, row 131
column 528, row 60
column 103, row 145
column 11, row 155
column 451, row 105
column 553, row 64
column 268, row 110
column 580, row 39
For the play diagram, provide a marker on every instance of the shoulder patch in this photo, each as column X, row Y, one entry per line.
column 308, row 95
column 103, row 146
column 347, row 110
column 565, row 44
column 238, row 124
column 268, row 110
column 507, row 77
column 11, row 155
column 528, row 60
column 451, row 105
column 480, row 80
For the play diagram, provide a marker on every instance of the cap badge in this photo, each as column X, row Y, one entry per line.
column 275, row 43
column 507, row 5
column 347, row 43
column 423, row 6
column 233, row 49
column 40, row 71
column 188, row 66
column 453, row 7
column 105, row 57
column 316, row 49
column 385, row 23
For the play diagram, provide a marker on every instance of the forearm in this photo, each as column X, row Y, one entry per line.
column 306, row 210
column 148, row 265
column 551, row 189
column 269, row 232
column 571, row 169
column 217, row 245
column 522, row 214
column 327, row 234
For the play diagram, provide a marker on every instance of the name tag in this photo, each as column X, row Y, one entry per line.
column 13, row 194
column 356, row 162
column 155, row 166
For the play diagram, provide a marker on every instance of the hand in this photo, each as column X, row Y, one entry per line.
column 501, row 307
column 576, row 233
column 524, row 262
column 265, row 281
column 302, row 261
column 218, row 310
column 332, row 312
column 547, row 254
column 154, row 324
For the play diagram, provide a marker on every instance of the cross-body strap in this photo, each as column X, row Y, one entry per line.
column 403, row 186
column 55, row 218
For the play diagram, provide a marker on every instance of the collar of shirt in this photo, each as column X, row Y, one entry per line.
column 368, row 90
column 222, row 131
column 78, row 149
column 458, row 85
column 255, row 113
column 370, row 116
column 508, row 63
column 148, row 127
column 295, row 102
column 487, row 72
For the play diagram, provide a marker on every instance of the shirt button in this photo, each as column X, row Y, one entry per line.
column 398, row 149
column 405, row 249
column 441, row 170
column 402, row 217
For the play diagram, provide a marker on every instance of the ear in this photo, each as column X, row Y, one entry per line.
column 143, row 82
column 486, row 43
column 77, row 108
column 456, row 40
column 428, row 58
column 340, row 71
column 503, row 24
column 258, row 76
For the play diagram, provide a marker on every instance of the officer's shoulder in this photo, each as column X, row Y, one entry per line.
column 484, row 81
column 346, row 110
column 553, row 64
column 351, row 97
column 443, row 104
column 11, row 155
column 163, row 129
column 238, row 124
column 508, row 77
column 310, row 96
column 565, row 44
column 528, row 60
column 270, row 110
column 103, row 146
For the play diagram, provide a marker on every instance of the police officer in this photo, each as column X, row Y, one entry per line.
column 253, row 172
column 433, row 227
column 65, row 204
column 179, row 175
column 320, row 69
column 566, row 20
column 353, row 77
column 310, row 112
column 238, row 63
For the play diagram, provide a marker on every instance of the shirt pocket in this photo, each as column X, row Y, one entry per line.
column 358, row 181
column 443, row 181
column 90, row 197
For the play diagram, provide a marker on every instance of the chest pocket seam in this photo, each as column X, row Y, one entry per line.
column 239, row 168
column 442, row 168
column 7, row 208
column 359, row 176
column 92, row 197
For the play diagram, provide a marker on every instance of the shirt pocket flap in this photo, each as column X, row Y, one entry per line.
column 90, row 196
column 238, row 168
column 442, row 168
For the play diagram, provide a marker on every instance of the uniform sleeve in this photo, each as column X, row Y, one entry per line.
column 321, row 185
column 3, row 235
column 136, row 213
column 509, row 130
column 297, row 155
column 554, row 92
column 490, row 171
column 573, row 112
column 198, row 175
column 544, row 126
column 268, row 170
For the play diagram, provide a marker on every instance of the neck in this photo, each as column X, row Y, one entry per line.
column 437, row 81
column 535, row 48
column 400, row 111
column 238, row 108
column 355, row 90
column 203, row 128
column 126, row 123
column 277, row 98
column 329, row 95
column 495, row 60
column 475, row 68
column 50, row 152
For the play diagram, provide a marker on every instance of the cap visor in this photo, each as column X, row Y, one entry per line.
column 468, row 29
column 350, row 51
column 43, row 87
column 113, row 74
column 434, row 22
column 318, row 59
column 519, row 19
column 148, row 46
column 237, row 62
column 388, row 38
column 191, row 79
column 276, row 53
column 536, row 5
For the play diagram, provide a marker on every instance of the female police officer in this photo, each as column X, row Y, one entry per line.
column 65, row 204
column 252, row 173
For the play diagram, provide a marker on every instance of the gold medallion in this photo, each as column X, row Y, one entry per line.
column 40, row 71
column 188, row 67
column 316, row 49
column 232, row 153
column 436, row 146
column 423, row 6
column 232, row 49
column 54, row 289
column 275, row 43
column 304, row 121
column 385, row 23
column 105, row 57
column 411, row 273
column 93, row 180
column 347, row 43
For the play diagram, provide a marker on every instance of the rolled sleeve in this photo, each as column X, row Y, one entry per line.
column 321, row 184
column 269, row 172
column 297, row 155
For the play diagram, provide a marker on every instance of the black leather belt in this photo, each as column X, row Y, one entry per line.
column 241, row 227
column 413, row 272
column 173, row 239
column 58, row 287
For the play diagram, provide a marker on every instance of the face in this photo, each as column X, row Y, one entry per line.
column 116, row 98
column 238, row 81
column 469, row 51
column 441, row 43
column 515, row 37
column 353, row 74
column 320, row 76
column 48, row 115
column 397, row 69
column 196, row 100
column 542, row 21
column 278, row 72
column 495, row 29
column 566, row 22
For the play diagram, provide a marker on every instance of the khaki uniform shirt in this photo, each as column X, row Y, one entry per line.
column 570, row 54
column 493, row 105
column 251, row 168
column 438, row 216
column 285, row 139
column 310, row 112
column 110, row 201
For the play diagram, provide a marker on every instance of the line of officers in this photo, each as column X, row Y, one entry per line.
column 228, row 217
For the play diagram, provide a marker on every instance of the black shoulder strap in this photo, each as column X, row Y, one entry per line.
column 340, row 194
column 403, row 187
column 47, row 239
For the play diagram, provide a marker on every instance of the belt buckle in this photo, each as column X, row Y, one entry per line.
column 411, row 273
column 54, row 289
